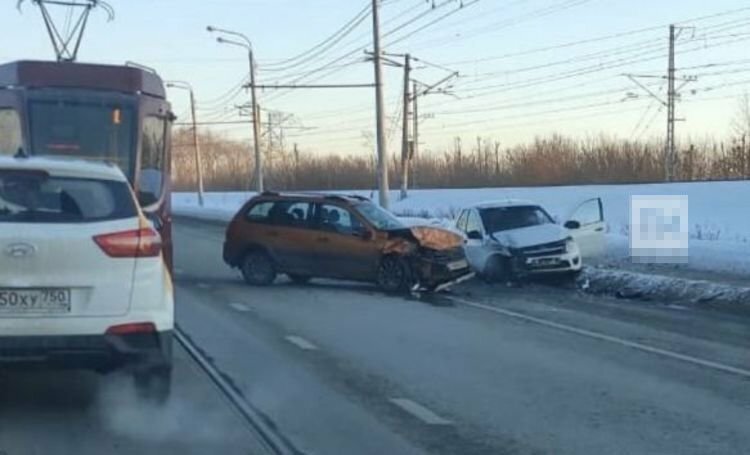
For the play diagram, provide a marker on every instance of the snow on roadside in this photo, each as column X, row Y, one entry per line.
column 719, row 213
column 718, row 210
column 633, row 285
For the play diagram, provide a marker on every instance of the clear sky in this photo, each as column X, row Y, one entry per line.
column 527, row 67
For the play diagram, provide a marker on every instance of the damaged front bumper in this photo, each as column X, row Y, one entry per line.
column 523, row 265
column 438, row 271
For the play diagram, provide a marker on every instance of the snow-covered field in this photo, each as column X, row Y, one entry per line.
column 719, row 212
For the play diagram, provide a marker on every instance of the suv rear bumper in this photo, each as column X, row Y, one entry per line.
column 102, row 353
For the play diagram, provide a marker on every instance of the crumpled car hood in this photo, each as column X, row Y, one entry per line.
column 436, row 238
column 531, row 236
column 427, row 237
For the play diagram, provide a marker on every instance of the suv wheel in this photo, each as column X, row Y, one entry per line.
column 299, row 279
column 394, row 274
column 153, row 384
column 257, row 268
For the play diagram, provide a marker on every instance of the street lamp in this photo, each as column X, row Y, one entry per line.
column 198, row 166
column 248, row 45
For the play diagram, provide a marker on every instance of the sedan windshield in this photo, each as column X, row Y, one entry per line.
column 498, row 219
column 381, row 219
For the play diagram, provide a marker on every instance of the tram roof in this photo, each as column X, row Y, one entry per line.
column 42, row 74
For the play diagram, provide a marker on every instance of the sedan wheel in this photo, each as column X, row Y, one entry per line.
column 258, row 269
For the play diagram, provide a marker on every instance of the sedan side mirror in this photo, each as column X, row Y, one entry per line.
column 572, row 224
column 474, row 235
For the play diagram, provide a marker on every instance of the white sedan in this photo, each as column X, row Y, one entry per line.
column 82, row 280
column 514, row 238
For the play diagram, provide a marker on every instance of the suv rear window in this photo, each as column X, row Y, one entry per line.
column 36, row 197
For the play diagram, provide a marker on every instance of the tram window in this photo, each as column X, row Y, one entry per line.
column 83, row 130
column 151, row 174
column 10, row 131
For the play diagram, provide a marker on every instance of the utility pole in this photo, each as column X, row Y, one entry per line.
column 270, row 132
column 673, row 94
column 197, row 147
column 196, row 144
column 380, row 108
column 405, row 129
column 415, row 130
column 248, row 45
column 669, row 152
column 259, row 187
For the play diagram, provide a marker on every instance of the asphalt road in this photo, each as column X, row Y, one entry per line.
column 338, row 368
column 43, row 413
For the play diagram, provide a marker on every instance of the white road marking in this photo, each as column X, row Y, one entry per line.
column 419, row 411
column 241, row 307
column 678, row 307
column 204, row 285
column 611, row 339
column 178, row 271
column 301, row 343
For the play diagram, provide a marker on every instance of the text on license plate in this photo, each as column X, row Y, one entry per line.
column 31, row 300
column 458, row 265
column 544, row 261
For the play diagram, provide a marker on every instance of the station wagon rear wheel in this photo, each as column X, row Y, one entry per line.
column 258, row 269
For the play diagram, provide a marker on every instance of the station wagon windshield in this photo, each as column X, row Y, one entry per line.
column 380, row 218
column 506, row 218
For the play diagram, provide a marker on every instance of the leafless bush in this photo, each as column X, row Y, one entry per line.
column 552, row 160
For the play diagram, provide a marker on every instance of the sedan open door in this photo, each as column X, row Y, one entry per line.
column 587, row 226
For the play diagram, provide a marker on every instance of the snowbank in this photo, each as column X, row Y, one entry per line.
column 718, row 210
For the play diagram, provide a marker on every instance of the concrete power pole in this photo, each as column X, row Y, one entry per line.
column 669, row 151
column 415, row 130
column 380, row 108
column 197, row 148
column 405, row 129
column 259, row 187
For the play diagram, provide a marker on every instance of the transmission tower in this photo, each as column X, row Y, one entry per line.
column 66, row 43
column 673, row 95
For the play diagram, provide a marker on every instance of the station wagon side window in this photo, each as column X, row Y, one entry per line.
column 291, row 213
column 10, row 131
column 260, row 212
column 333, row 218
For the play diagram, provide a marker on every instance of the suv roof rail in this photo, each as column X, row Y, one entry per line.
column 269, row 193
column 358, row 197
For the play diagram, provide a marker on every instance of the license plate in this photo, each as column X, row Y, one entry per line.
column 32, row 300
column 545, row 261
column 458, row 265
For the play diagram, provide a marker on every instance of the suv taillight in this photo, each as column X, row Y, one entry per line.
column 138, row 243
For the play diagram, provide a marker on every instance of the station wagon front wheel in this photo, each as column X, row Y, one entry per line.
column 258, row 269
column 394, row 274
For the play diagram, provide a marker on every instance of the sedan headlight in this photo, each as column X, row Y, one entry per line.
column 502, row 249
column 571, row 246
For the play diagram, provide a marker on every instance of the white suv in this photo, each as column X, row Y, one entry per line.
column 82, row 280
